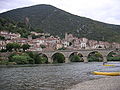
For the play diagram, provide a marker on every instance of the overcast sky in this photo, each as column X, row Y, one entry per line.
column 102, row 10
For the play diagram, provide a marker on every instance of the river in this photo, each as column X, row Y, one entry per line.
column 50, row 76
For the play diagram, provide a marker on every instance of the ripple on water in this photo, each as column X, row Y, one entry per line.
column 49, row 77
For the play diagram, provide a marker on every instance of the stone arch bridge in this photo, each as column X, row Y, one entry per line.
column 84, row 53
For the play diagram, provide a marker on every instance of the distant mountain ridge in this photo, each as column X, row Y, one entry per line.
column 57, row 22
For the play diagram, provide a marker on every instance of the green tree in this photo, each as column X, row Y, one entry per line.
column 16, row 46
column 21, row 58
column 39, row 30
column 75, row 58
column 42, row 46
column 2, row 38
column 25, row 47
column 38, row 58
column 95, row 56
column 114, row 56
column 9, row 47
column 58, row 58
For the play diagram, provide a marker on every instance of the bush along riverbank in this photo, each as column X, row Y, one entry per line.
column 20, row 58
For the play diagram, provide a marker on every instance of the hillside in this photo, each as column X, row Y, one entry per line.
column 55, row 21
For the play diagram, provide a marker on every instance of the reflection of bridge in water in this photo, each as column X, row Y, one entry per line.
column 84, row 53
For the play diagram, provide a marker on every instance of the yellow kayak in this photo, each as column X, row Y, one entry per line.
column 107, row 73
column 108, row 65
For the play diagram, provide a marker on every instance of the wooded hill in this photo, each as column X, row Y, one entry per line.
column 56, row 22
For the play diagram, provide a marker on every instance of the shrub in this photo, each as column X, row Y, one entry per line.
column 113, row 58
column 43, row 60
column 76, row 58
column 3, row 50
column 21, row 58
column 10, row 57
column 58, row 58
column 3, row 62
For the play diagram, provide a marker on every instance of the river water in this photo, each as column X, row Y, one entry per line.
column 49, row 77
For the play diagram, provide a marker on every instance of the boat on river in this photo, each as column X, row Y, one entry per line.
column 108, row 65
column 107, row 73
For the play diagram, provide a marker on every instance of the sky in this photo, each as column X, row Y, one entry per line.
column 107, row 11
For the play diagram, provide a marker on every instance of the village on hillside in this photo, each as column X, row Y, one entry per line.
column 50, row 42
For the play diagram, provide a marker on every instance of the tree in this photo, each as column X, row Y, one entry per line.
column 2, row 38
column 58, row 58
column 16, row 46
column 39, row 30
column 21, row 58
column 114, row 56
column 76, row 58
column 42, row 46
column 40, row 59
column 37, row 58
column 9, row 47
column 95, row 56
column 25, row 47
column 63, row 48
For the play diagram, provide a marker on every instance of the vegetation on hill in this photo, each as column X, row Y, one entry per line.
column 14, row 27
column 55, row 21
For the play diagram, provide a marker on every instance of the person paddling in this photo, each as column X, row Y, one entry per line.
column 104, row 63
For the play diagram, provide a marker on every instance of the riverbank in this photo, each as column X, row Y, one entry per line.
column 108, row 83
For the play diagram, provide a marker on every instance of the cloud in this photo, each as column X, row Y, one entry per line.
column 101, row 10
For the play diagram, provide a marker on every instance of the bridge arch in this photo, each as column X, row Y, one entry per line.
column 113, row 56
column 95, row 56
column 75, row 57
column 58, row 57
column 44, row 57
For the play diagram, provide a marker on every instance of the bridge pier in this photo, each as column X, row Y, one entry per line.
column 85, row 59
column 67, row 60
column 50, row 60
column 105, row 59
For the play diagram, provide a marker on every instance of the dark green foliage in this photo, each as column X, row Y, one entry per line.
column 57, row 22
column 31, row 54
column 25, row 47
column 42, row 46
column 39, row 30
column 58, row 58
column 2, row 38
column 11, row 46
column 16, row 46
column 27, row 58
column 10, row 57
column 3, row 62
column 95, row 56
column 44, row 60
column 14, row 27
column 63, row 48
column 36, row 36
column 21, row 58
column 76, row 58
column 3, row 50
column 38, row 58
column 113, row 56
